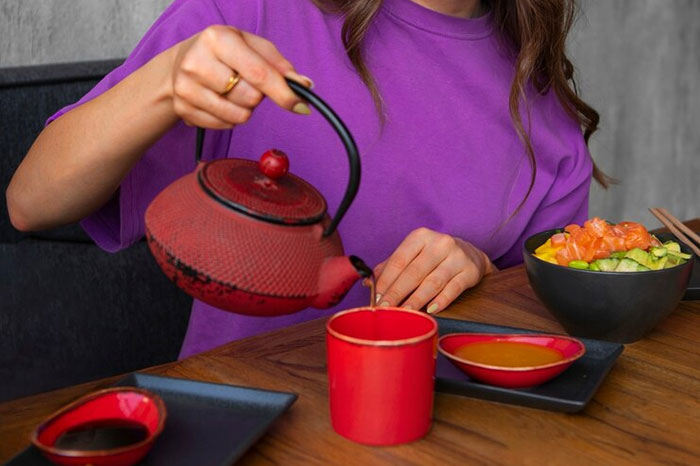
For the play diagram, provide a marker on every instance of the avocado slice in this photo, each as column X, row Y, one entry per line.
column 680, row 255
column 659, row 264
column 672, row 246
column 607, row 265
column 640, row 256
column 673, row 261
column 629, row 265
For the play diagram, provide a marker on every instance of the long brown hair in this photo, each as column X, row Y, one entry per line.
column 536, row 28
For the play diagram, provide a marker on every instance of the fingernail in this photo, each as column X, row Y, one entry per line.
column 432, row 308
column 310, row 83
column 302, row 109
column 300, row 78
column 379, row 296
column 384, row 304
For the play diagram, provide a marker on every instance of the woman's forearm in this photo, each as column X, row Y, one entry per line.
column 78, row 161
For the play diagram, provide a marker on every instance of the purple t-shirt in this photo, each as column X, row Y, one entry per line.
column 447, row 158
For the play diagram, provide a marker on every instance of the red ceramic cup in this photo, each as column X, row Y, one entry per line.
column 381, row 370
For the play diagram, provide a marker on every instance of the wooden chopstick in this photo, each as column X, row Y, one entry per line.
column 671, row 223
column 681, row 226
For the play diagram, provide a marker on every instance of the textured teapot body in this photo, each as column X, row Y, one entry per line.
column 241, row 264
column 253, row 238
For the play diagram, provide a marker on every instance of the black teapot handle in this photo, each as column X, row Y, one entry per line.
column 345, row 137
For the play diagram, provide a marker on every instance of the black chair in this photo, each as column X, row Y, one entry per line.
column 69, row 312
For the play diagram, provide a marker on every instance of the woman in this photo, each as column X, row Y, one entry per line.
column 469, row 131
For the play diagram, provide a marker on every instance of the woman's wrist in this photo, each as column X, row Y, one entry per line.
column 157, row 74
column 478, row 257
column 490, row 267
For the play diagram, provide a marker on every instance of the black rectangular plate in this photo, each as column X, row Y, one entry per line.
column 693, row 291
column 212, row 424
column 569, row 392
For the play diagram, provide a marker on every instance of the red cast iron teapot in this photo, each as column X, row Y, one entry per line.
column 252, row 238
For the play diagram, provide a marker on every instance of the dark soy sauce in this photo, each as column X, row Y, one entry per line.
column 102, row 435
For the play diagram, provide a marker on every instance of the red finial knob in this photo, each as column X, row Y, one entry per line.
column 274, row 163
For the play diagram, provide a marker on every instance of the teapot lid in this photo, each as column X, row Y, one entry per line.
column 264, row 190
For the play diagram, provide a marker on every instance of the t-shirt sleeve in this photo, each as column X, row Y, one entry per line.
column 566, row 201
column 119, row 223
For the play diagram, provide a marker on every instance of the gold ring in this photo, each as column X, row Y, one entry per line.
column 232, row 81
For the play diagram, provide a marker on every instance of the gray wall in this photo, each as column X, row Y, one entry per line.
column 48, row 31
column 638, row 64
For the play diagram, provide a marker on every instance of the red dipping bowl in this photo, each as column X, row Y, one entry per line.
column 111, row 406
column 512, row 377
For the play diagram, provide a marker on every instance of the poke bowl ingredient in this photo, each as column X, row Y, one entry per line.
column 601, row 246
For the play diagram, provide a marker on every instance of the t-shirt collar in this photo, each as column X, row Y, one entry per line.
column 439, row 23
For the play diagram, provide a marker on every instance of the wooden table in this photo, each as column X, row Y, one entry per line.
column 646, row 412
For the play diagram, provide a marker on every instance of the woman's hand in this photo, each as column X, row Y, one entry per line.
column 429, row 269
column 204, row 64
column 78, row 161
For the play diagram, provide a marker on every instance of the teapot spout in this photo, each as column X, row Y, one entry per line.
column 337, row 276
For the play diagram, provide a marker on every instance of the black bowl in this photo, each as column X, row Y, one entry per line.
column 614, row 306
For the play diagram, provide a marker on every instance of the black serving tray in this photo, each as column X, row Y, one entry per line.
column 207, row 424
column 569, row 392
column 693, row 291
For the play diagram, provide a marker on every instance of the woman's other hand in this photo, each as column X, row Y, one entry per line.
column 430, row 270
column 204, row 65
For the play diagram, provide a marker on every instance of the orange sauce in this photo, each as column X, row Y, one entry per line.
column 508, row 354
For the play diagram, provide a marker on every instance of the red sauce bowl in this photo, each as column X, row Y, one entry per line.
column 512, row 377
column 113, row 405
